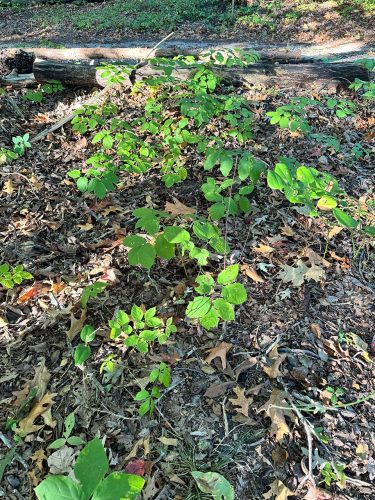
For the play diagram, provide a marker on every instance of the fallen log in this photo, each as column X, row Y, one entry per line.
column 139, row 50
column 282, row 75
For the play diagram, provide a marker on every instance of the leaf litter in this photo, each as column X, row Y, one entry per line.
column 330, row 289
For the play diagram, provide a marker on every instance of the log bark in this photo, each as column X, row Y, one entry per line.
column 284, row 75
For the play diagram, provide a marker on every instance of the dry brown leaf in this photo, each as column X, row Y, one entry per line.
column 245, row 365
column 29, row 293
column 218, row 389
column 315, row 258
column 278, row 491
column 362, row 450
column 279, row 455
column 334, row 231
column 241, row 403
column 219, row 351
column 287, row 230
column 76, row 325
column 86, row 227
column 251, row 273
column 315, row 493
column 273, row 371
column 263, row 249
column 40, row 381
column 178, row 208
column 273, row 408
column 168, row 441
column 26, row 425
column 8, row 187
column 315, row 328
column 141, row 443
column 315, row 273
column 38, row 457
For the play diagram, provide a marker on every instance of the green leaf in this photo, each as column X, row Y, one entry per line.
column 82, row 184
column 91, row 466
column 304, row 175
column 217, row 211
column 370, row 230
column 59, row 488
column 198, row 307
column 136, row 313
column 141, row 395
column 69, row 424
column 215, row 484
column 326, row 203
column 87, row 334
column 145, row 407
column 134, row 241
column 75, row 441
column 235, row 293
column 81, row 354
column 119, row 486
column 228, row 275
column 175, row 234
column 58, row 443
column 164, row 249
column 224, row 309
column 226, row 164
column 274, row 181
column 210, row 320
column 344, row 219
column 206, row 283
column 142, row 256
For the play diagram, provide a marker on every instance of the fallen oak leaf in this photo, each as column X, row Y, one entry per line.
column 278, row 490
column 76, row 325
column 315, row 273
column 275, row 409
column 168, row 441
column 29, row 293
column 273, row 371
column 39, row 457
column 241, row 402
column 263, row 249
column 251, row 273
column 218, row 389
column 26, row 425
column 219, row 351
column 178, row 208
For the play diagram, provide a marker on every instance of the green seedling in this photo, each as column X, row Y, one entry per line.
column 10, row 277
column 92, row 291
column 216, row 299
column 336, row 393
column 69, row 424
column 141, row 328
column 21, row 143
column 159, row 378
column 83, row 351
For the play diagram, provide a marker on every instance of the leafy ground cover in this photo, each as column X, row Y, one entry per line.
column 278, row 20
column 196, row 289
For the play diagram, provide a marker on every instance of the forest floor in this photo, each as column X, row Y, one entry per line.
column 319, row 333
column 237, row 402
column 277, row 21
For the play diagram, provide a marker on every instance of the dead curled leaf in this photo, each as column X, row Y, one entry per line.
column 219, row 351
column 275, row 409
column 276, row 359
